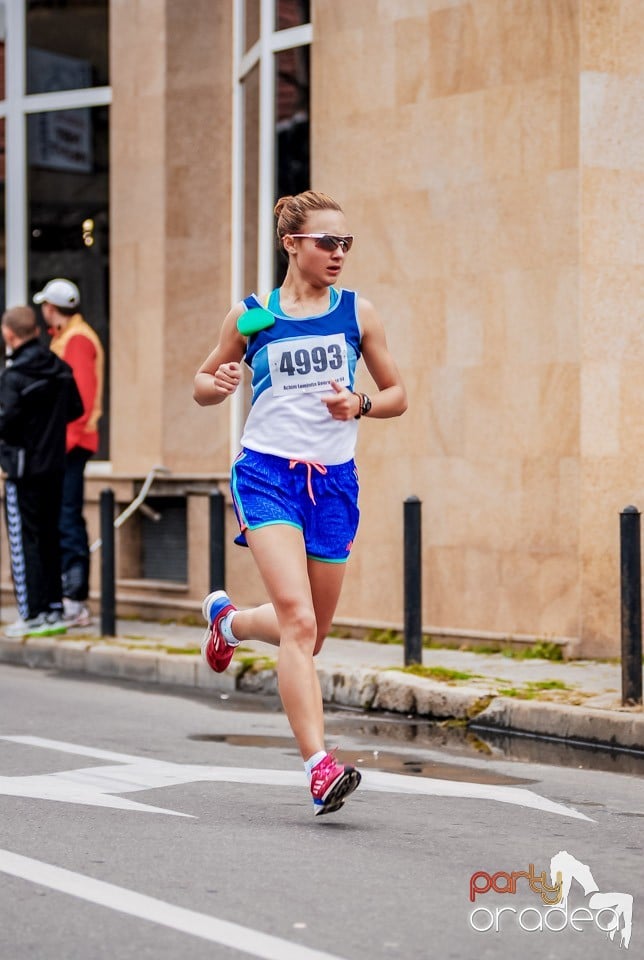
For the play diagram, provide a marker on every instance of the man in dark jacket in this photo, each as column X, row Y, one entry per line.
column 38, row 398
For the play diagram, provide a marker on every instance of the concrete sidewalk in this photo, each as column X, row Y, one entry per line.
column 578, row 700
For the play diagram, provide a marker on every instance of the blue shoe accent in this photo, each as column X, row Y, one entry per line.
column 320, row 808
column 218, row 645
column 214, row 604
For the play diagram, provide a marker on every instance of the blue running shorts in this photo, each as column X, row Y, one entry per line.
column 321, row 501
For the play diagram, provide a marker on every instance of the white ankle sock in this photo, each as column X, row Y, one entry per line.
column 226, row 627
column 312, row 761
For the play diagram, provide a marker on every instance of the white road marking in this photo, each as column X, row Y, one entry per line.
column 139, row 905
column 94, row 786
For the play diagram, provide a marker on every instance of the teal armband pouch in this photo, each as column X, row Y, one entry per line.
column 255, row 320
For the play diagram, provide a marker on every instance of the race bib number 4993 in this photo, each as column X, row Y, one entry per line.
column 307, row 364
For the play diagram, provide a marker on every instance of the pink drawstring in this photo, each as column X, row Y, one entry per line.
column 308, row 464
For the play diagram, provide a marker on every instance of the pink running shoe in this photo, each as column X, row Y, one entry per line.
column 331, row 784
column 214, row 649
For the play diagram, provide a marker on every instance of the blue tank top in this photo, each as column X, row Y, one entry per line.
column 292, row 364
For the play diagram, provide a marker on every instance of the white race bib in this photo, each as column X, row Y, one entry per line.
column 307, row 364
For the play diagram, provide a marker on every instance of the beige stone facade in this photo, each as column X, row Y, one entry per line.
column 490, row 158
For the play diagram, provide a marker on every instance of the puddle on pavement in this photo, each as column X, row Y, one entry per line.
column 489, row 744
column 384, row 760
column 528, row 748
column 385, row 731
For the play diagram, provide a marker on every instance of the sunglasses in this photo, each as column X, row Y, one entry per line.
column 326, row 241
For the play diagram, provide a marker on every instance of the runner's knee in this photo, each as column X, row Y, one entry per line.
column 298, row 623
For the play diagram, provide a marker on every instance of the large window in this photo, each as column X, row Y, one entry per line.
column 66, row 44
column 250, row 184
column 271, row 129
column 54, row 140
column 271, row 139
column 292, row 13
column 292, row 121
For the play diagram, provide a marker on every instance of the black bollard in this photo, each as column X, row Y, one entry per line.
column 413, row 581
column 108, row 565
column 217, row 541
column 631, row 605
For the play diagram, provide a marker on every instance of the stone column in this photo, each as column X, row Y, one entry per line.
column 611, row 157
column 171, row 68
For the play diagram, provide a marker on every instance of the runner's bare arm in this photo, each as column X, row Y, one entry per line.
column 220, row 374
column 391, row 399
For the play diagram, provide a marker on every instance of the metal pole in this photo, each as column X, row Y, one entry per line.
column 108, row 591
column 217, row 541
column 631, row 604
column 413, row 580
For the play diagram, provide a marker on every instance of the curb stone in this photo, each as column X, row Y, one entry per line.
column 104, row 660
column 348, row 688
column 616, row 728
column 178, row 671
column 205, row 678
column 39, row 652
column 258, row 681
column 72, row 656
column 363, row 688
column 402, row 693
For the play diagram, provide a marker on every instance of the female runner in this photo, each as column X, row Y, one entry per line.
column 294, row 485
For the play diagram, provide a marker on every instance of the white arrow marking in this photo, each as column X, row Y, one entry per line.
column 94, row 785
column 156, row 911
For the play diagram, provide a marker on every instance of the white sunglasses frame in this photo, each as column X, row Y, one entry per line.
column 341, row 240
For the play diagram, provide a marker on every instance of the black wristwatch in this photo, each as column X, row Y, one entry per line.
column 365, row 406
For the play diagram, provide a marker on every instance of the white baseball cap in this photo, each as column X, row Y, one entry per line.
column 62, row 293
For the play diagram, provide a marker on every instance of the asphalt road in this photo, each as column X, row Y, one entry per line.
column 141, row 823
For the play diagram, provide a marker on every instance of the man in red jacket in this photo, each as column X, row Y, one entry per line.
column 74, row 341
